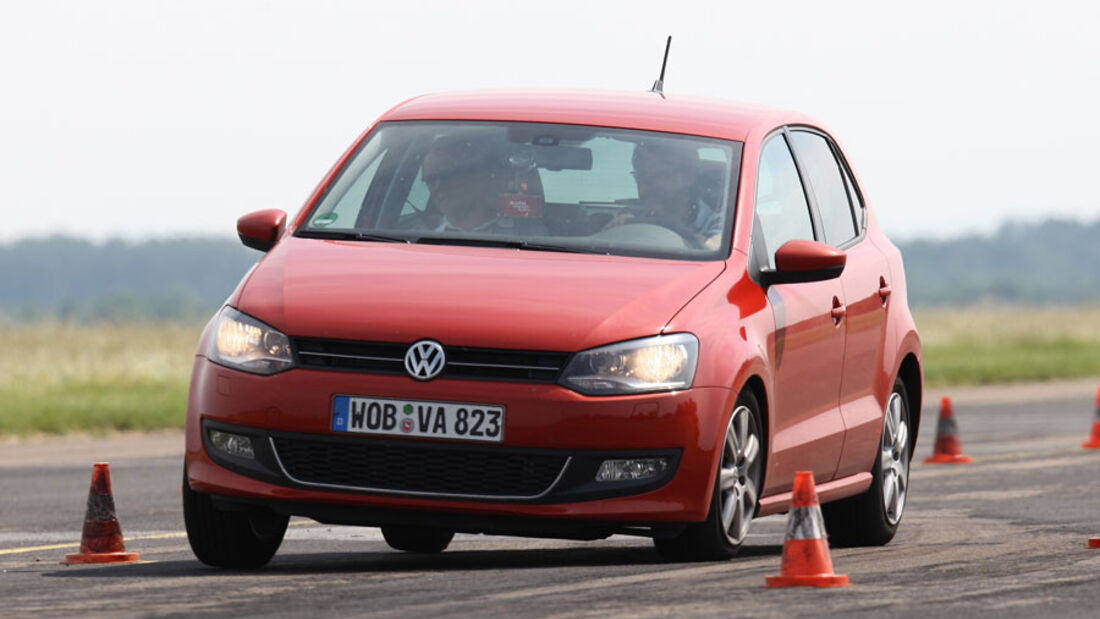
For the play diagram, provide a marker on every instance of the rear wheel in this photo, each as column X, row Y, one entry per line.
column 417, row 539
column 736, row 491
column 872, row 518
column 240, row 540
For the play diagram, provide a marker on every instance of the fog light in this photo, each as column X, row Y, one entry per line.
column 640, row 468
column 233, row 444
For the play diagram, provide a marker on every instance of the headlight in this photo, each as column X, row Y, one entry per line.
column 242, row 342
column 661, row 363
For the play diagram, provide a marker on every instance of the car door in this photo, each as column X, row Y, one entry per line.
column 807, row 346
column 865, row 282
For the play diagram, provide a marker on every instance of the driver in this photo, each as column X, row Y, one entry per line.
column 463, row 183
column 665, row 172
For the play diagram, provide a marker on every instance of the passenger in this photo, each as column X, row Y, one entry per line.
column 665, row 172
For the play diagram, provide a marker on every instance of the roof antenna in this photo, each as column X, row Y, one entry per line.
column 659, row 85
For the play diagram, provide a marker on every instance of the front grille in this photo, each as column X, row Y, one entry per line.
column 462, row 362
column 473, row 471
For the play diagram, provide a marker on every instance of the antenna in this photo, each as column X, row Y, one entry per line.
column 659, row 85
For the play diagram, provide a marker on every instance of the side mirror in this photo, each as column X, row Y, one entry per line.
column 261, row 229
column 801, row 260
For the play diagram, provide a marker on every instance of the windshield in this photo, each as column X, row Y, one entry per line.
column 535, row 186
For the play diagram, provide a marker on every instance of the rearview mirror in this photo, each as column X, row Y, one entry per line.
column 563, row 158
column 802, row 260
column 261, row 229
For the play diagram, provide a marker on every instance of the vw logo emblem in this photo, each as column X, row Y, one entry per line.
column 425, row 360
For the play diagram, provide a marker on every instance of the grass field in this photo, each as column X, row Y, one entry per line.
column 982, row 345
column 63, row 378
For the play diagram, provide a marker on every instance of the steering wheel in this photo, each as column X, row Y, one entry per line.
column 642, row 215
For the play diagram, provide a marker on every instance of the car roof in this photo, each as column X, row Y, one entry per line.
column 631, row 110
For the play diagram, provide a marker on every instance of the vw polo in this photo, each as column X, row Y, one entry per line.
column 560, row 314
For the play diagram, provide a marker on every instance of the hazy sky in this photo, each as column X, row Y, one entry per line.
column 150, row 118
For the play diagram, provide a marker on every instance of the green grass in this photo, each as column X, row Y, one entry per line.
column 58, row 379
column 983, row 345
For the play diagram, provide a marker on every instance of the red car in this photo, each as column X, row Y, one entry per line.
column 560, row 314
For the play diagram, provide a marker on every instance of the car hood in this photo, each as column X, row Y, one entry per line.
column 466, row 296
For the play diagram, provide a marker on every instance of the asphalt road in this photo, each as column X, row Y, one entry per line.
column 1005, row 536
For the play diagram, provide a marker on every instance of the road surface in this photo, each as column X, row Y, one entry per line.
column 1005, row 536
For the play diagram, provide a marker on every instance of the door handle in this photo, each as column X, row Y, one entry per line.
column 838, row 312
column 884, row 290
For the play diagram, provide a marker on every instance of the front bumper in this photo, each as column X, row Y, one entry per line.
column 545, row 423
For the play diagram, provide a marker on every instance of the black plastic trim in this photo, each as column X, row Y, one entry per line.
column 575, row 484
column 769, row 277
column 459, row 522
column 463, row 362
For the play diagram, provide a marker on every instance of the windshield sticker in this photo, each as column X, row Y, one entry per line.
column 519, row 205
column 325, row 220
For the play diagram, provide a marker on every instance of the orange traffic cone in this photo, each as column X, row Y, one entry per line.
column 101, row 541
column 1094, row 441
column 947, row 449
column 806, row 561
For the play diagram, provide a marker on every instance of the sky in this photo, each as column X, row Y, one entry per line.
column 144, row 119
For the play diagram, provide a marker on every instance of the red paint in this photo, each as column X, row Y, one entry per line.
column 803, row 255
column 101, row 538
column 806, row 562
column 947, row 449
column 824, row 379
column 266, row 225
column 804, row 494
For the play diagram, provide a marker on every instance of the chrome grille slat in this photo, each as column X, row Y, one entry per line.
column 364, row 357
column 497, row 365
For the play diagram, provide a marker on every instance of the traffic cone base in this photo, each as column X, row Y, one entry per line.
column 1094, row 441
column 820, row 580
column 102, row 557
column 101, row 540
column 806, row 561
column 1094, row 542
column 800, row 555
column 948, row 459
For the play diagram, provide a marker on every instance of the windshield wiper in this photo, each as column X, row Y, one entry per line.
column 506, row 243
column 350, row 235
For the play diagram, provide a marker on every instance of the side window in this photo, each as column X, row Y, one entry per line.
column 823, row 173
column 351, row 189
column 853, row 196
column 417, row 200
column 347, row 209
column 781, row 208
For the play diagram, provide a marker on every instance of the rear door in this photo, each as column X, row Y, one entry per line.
column 807, row 346
column 865, row 282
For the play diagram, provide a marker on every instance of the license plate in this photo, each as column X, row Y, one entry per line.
column 453, row 420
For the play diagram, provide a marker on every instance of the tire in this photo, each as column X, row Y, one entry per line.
column 237, row 540
column 417, row 539
column 736, row 493
column 872, row 518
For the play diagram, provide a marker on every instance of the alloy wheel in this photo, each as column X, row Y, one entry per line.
column 740, row 475
column 894, row 459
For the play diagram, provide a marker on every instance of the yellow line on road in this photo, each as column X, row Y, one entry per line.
column 172, row 535
column 13, row 551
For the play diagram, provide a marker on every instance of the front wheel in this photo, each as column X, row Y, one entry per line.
column 736, row 491
column 872, row 518
column 238, row 540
